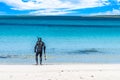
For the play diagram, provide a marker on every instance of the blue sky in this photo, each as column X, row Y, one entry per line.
column 60, row 7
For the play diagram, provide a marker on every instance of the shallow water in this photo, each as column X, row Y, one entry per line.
column 70, row 40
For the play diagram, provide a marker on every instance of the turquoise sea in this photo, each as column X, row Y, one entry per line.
column 69, row 39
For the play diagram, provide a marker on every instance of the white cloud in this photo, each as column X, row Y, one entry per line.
column 50, row 7
column 113, row 12
column 49, row 12
column 118, row 0
column 30, row 5
column 38, row 4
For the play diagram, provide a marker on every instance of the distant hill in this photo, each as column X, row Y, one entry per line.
column 107, row 16
column 97, row 17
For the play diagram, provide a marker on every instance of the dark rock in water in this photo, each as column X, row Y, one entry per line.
column 3, row 57
column 87, row 51
column 7, row 56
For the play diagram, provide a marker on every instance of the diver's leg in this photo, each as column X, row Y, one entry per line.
column 40, row 58
column 36, row 58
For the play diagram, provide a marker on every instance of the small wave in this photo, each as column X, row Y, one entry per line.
column 16, row 56
column 8, row 56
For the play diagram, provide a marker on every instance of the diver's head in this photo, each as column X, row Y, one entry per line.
column 39, row 39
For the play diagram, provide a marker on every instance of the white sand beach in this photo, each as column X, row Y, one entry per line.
column 60, row 72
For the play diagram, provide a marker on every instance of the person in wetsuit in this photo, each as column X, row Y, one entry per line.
column 38, row 49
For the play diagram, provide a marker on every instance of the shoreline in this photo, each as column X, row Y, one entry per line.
column 60, row 72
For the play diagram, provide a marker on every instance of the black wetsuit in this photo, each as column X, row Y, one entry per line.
column 38, row 50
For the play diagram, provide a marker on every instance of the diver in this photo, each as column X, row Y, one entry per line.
column 38, row 49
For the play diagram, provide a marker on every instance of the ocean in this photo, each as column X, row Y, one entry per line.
column 68, row 39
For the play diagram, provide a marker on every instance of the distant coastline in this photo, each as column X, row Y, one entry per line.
column 97, row 17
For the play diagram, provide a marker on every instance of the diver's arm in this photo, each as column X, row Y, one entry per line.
column 44, row 47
